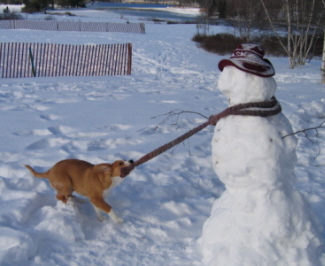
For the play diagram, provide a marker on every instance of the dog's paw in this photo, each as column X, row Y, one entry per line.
column 119, row 221
column 101, row 218
column 115, row 218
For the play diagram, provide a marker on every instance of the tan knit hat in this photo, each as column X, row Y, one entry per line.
column 249, row 58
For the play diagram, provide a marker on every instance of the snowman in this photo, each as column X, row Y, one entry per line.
column 260, row 219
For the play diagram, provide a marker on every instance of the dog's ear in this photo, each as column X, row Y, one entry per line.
column 102, row 171
column 103, row 168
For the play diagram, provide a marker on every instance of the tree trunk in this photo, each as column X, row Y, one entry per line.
column 302, row 19
column 322, row 69
column 323, row 62
column 289, row 37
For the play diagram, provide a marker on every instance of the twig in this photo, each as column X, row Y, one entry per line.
column 307, row 129
column 174, row 113
column 321, row 125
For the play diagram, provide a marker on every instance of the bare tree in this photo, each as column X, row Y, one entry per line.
column 207, row 10
column 323, row 58
column 245, row 16
column 210, row 8
column 302, row 19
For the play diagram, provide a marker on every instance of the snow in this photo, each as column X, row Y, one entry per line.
column 165, row 202
column 12, row 8
column 180, row 10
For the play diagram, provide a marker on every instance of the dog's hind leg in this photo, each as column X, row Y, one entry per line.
column 61, row 197
column 63, row 193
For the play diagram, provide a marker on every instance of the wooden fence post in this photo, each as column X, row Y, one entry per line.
column 32, row 61
column 129, row 59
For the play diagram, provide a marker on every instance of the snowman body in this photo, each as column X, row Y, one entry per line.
column 260, row 219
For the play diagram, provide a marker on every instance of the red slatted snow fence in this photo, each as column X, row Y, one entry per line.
column 20, row 60
column 73, row 26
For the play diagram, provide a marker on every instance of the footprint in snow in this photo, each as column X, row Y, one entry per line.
column 46, row 143
column 49, row 117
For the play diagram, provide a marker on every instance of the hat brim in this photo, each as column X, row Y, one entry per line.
column 262, row 68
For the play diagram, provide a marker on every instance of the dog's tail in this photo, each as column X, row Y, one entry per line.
column 36, row 174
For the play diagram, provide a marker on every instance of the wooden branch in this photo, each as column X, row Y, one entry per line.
column 320, row 126
column 177, row 113
column 174, row 113
column 307, row 129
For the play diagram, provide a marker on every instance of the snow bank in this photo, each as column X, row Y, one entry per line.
column 12, row 8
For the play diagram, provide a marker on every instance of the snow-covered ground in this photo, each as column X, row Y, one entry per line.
column 12, row 8
column 164, row 202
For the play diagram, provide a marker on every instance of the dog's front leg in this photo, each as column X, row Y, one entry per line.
column 101, row 206
column 99, row 214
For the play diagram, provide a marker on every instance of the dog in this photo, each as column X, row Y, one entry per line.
column 91, row 181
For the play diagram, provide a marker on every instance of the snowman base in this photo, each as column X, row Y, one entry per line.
column 271, row 226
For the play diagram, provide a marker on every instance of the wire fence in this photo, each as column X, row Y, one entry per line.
column 20, row 60
column 73, row 26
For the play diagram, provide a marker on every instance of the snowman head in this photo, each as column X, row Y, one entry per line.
column 247, row 76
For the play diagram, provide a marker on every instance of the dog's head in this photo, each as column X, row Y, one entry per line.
column 118, row 165
column 107, row 171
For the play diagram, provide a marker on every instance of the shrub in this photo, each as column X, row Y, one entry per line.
column 225, row 43
column 32, row 7
column 271, row 46
column 68, row 13
column 221, row 43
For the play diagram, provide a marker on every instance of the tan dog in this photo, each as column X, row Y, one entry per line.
column 91, row 181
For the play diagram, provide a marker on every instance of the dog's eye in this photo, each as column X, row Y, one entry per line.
column 121, row 163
